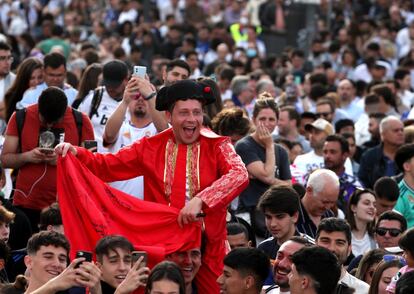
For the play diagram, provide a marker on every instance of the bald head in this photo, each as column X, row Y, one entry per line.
column 392, row 131
column 222, row 51
column 388, row 122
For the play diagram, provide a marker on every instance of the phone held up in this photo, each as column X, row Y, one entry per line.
column 140, row 71
column 136, row 255
column 85, row 254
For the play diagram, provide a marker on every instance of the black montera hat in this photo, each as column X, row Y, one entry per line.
column 183, row 90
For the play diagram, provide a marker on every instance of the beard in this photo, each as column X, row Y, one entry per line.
column 139, row 112
column 283, row 284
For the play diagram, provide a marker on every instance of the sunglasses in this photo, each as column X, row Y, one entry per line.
column 392, row 257
column 392, row 232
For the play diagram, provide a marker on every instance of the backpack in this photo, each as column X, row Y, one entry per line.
column 21, row 116
column 96, row 101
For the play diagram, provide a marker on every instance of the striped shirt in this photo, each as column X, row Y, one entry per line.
column 305, row 225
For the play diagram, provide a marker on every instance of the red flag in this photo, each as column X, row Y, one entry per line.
column 91, row 210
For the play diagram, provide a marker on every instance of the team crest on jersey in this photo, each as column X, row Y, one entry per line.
column 127, row 135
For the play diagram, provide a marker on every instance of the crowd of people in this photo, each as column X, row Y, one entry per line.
column 237, row 158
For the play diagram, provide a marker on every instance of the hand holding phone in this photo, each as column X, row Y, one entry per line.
column 85, row 254
column 47, row 151
column 91, row 145
column 136, row 255
column 139, row 71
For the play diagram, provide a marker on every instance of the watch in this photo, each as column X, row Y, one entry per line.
column 150, row 95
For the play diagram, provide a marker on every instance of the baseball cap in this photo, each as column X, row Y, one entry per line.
column 382, row 64
column 322, row 125
column 114, row 72
column 394, row 250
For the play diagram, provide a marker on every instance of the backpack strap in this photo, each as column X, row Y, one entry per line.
column 77, row 116
column 96, row 101
column 20, row 118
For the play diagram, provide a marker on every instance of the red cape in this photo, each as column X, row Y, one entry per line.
column 91, row 210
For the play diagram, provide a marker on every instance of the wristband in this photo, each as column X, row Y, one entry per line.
column 150, row 95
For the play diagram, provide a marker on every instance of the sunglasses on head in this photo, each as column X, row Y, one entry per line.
column 392, row 232
column 392, row 257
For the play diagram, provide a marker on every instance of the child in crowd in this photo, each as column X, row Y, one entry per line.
column 407, row 244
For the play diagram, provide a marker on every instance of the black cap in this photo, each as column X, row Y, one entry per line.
column 114, row 73
column 183, row 90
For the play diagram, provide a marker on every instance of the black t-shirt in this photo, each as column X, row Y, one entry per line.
column 250, row 151
column 106, row 288
column 269, row 247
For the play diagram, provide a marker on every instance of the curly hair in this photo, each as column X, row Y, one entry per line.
column 231, row 121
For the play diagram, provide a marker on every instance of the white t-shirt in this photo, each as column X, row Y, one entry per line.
column 360, row 246
column 308, row 162
column 360, row 286
column 407, row 98
column 2, row 92
column 8, row 186
column 226, row 95
column 411, row 114
column 362, row 134
column 100, row 118
column 274, row 290
column 128, row 134
column 31, row 96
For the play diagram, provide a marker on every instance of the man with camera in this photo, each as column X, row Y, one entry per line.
column 46, row 262
column 29, row 147
column 144, row 121
column 121, row 274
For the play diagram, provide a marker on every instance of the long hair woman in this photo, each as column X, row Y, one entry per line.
column 29, row 74
column 361, row 218
column 165, row 277
column 384, row 273
column 89, row 81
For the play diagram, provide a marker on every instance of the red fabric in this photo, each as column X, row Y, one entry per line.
column 222, row 176
column 91, row 209
column 44, row 191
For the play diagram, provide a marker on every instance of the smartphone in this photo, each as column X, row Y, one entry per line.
column 136, row 255
column 47, row 151
column 86, row 254
column 140, row 71
column 89, row 144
